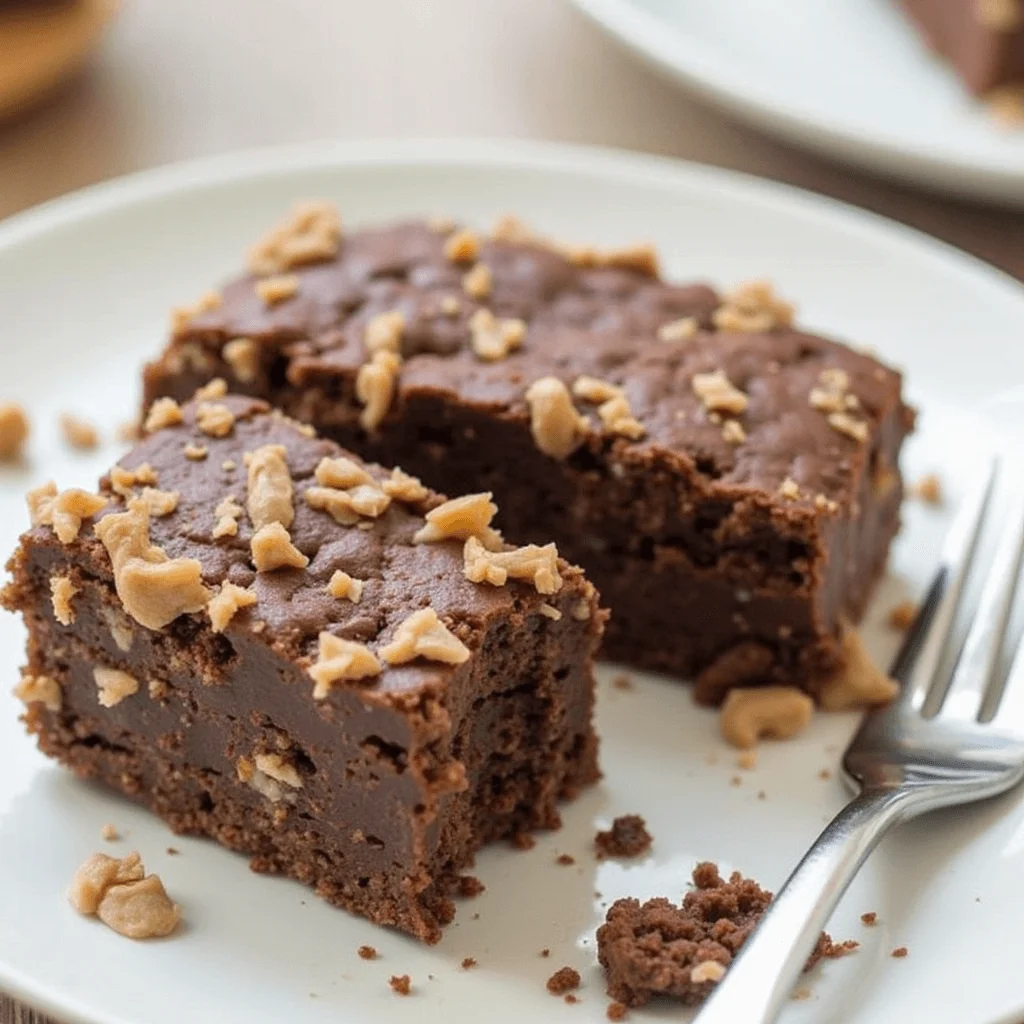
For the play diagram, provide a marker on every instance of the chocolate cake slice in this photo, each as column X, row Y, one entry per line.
column 729, row 482
column 315, row 661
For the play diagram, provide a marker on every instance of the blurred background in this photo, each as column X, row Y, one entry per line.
column 165, row 81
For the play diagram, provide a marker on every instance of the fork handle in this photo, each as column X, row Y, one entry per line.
column 759, row 982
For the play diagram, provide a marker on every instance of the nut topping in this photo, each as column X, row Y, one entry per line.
column 40, row 690
column 214, row 419
column 243, row 356
column 226, row 603
column 679, row 330
column 344, row 586
column 384, row 333
column 477, row 282
column 14, row 430
column 228, row 512
column 538, row 565
column 750, row 713
column 492, row 339
column 280, row 288
column 403, row 487
column 375, row 388
column 718, row 393
column 557, row 428
column 270, row 487
column 153, row 588
column 342, row 473
column 459, row 519
column 272, row 548
column 62, row 590
column 462, row 246
column 164, row 412
column 310, row 234
column 753, row 307
column 424, row 635
column 114, row 685
column 65, row 511
column 340, row 659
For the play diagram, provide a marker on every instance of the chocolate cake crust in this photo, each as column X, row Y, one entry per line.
column 376, row 788
column 731, row 543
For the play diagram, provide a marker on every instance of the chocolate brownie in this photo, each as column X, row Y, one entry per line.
column 982, row 39
column 682, row 951
column 728, row 481
column 269, row 642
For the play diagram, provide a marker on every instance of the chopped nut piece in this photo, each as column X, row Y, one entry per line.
column 823, row 502
column 164, row 412
column 211, row 390
column 343, row 586
column 279, row 288
column 14, row 430
column 264, row 784
column 403, row 487
column 279, row 768
column 679, row 330
column 340, row 659
column 753, row 307
column 384, row 333
column 78, row 432
column 114, row 685
column 272, row 548
column 153, row 588
column 40, row 690
column 844, row 423
column 557, row 428
column 477, row 282
column 195, row 452
column 750, row 713
column 492, row 339
column 228, row 512
column 98, row 874
column 347, row 506
column 62, row 590
column 310, row 233
column 999, row 15
column 270, row 487
column 718, row 394
column 243, row 356
column 460, row 519
column 538, row 565
column 581, row 611
column 450, row 305
column 708, row 970
column 424, row 635
column 593, row 389
column 342, row 473
column 159, row 503
column 510, row 228
column 789, row 489
column 462, row 246
column 181, row 316
column 122, row 481
column 859, row 682
column 226, row 603
column 928, row 489
column 65, row 511
column 375, row 388
column 747, row 760
column 831, row 392
column 549, row 611
column 214, row 419
column 139, row 910
column 733, row 432
column 641, row 257
column 617, row 417
column 902, row 615
column 401, row 984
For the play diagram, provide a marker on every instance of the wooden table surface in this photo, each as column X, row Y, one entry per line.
column 193, row 77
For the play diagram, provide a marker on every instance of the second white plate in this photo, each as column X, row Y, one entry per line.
column 849, row 78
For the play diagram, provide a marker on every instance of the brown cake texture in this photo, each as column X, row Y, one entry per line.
column 982, row 39
column 682, row 951
column 266, row 641
column 728, row 481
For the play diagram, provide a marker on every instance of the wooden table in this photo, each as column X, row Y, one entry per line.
column 183, row 79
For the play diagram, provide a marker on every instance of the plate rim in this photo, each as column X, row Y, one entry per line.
column 618, row 166
column 643, row 34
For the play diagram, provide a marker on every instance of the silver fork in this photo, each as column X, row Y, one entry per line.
column 947, row 739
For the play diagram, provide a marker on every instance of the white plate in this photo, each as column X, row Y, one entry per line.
column 86, row 281
column 849, row 78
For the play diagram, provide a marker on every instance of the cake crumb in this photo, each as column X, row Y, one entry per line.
column 545, row 953
column 14, row 431
column 825, row 774
column 565, row 859
column 367, row 952
column 400, row 984
column 802, row 992
column 109, row 833
column 659, row 948
column 470, row 886
column 622, row 682
column 928, row 489
column 173, row 851
column 78, row 433
column 570, row 999
column 563, row 980
column 736, row 781
column 900, row 952
column 523, row 841
column 870, row 918
column 617, row 1011
column 628, row 837
column 468, row 963
column 747, row 760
